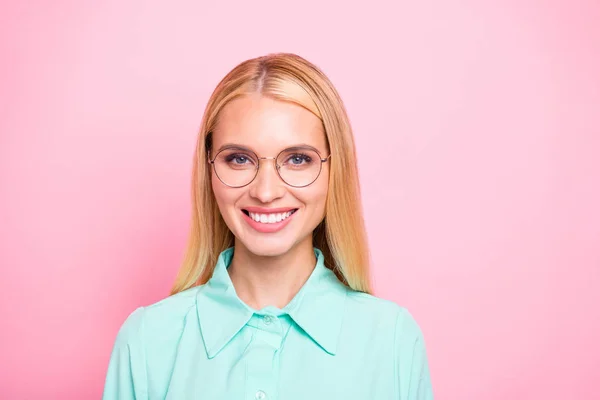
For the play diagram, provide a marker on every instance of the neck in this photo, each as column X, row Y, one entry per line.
column 262, row 281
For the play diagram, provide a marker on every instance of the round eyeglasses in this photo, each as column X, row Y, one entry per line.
column 237, row 166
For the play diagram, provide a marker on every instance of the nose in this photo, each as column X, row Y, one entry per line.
column 267, row 185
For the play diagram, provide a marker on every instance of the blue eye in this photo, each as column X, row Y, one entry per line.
column 299, row 159
column 239, row 159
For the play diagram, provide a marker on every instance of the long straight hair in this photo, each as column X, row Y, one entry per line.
column 341, row 236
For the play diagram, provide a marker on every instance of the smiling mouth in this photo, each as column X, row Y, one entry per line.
column 269, row 218
column 248, row 213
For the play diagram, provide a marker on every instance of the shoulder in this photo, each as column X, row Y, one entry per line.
column 156, row 326
column 365, row 305
column 370, row 309
column 405, row 340
column 160, row 319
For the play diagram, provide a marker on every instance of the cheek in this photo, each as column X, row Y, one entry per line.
column 322, row 186
column 216, row 191
column 322, row 191
column 221, row 195
column 316, row 197
column 226, row 198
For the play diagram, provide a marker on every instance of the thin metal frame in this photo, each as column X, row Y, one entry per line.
column 277, row 166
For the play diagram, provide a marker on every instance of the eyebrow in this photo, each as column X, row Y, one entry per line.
column 241, row 147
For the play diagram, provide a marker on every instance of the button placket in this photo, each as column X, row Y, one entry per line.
column 262, row 361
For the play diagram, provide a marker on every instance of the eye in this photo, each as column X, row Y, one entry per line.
column 299, row 159
column 237, row 159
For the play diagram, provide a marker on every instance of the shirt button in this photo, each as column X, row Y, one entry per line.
column 268, row 319
column 260, row 395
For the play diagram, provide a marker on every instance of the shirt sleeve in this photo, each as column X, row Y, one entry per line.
column 412, row 369
column 126, row 374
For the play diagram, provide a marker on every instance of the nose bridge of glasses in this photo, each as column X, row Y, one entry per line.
column 260, row 176
column 264, row 179
column 268, row 158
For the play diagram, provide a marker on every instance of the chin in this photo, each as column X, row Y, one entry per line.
column 266, row 247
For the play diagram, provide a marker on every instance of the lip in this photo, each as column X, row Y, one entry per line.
column 268, row 228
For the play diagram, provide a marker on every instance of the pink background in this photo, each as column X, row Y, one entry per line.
column 478, row 132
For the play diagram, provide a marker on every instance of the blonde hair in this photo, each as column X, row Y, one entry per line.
column 341, row 236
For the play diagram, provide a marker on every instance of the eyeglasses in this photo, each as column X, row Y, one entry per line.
column 237, row 166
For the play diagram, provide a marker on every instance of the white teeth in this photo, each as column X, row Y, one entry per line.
column 270, row 218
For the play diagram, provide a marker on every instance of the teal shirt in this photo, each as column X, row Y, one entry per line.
column 329, row 342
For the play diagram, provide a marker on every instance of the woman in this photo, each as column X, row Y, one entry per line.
column 273, row 300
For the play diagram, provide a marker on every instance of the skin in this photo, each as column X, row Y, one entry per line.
column 270, row 268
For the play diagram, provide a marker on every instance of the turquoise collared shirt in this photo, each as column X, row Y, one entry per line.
column 329, row 342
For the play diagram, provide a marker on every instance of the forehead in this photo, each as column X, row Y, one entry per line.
column 267, row 125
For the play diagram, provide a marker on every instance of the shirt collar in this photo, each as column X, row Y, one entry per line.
column 317, row 308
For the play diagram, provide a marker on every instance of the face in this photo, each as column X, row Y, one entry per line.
column 267, row 127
